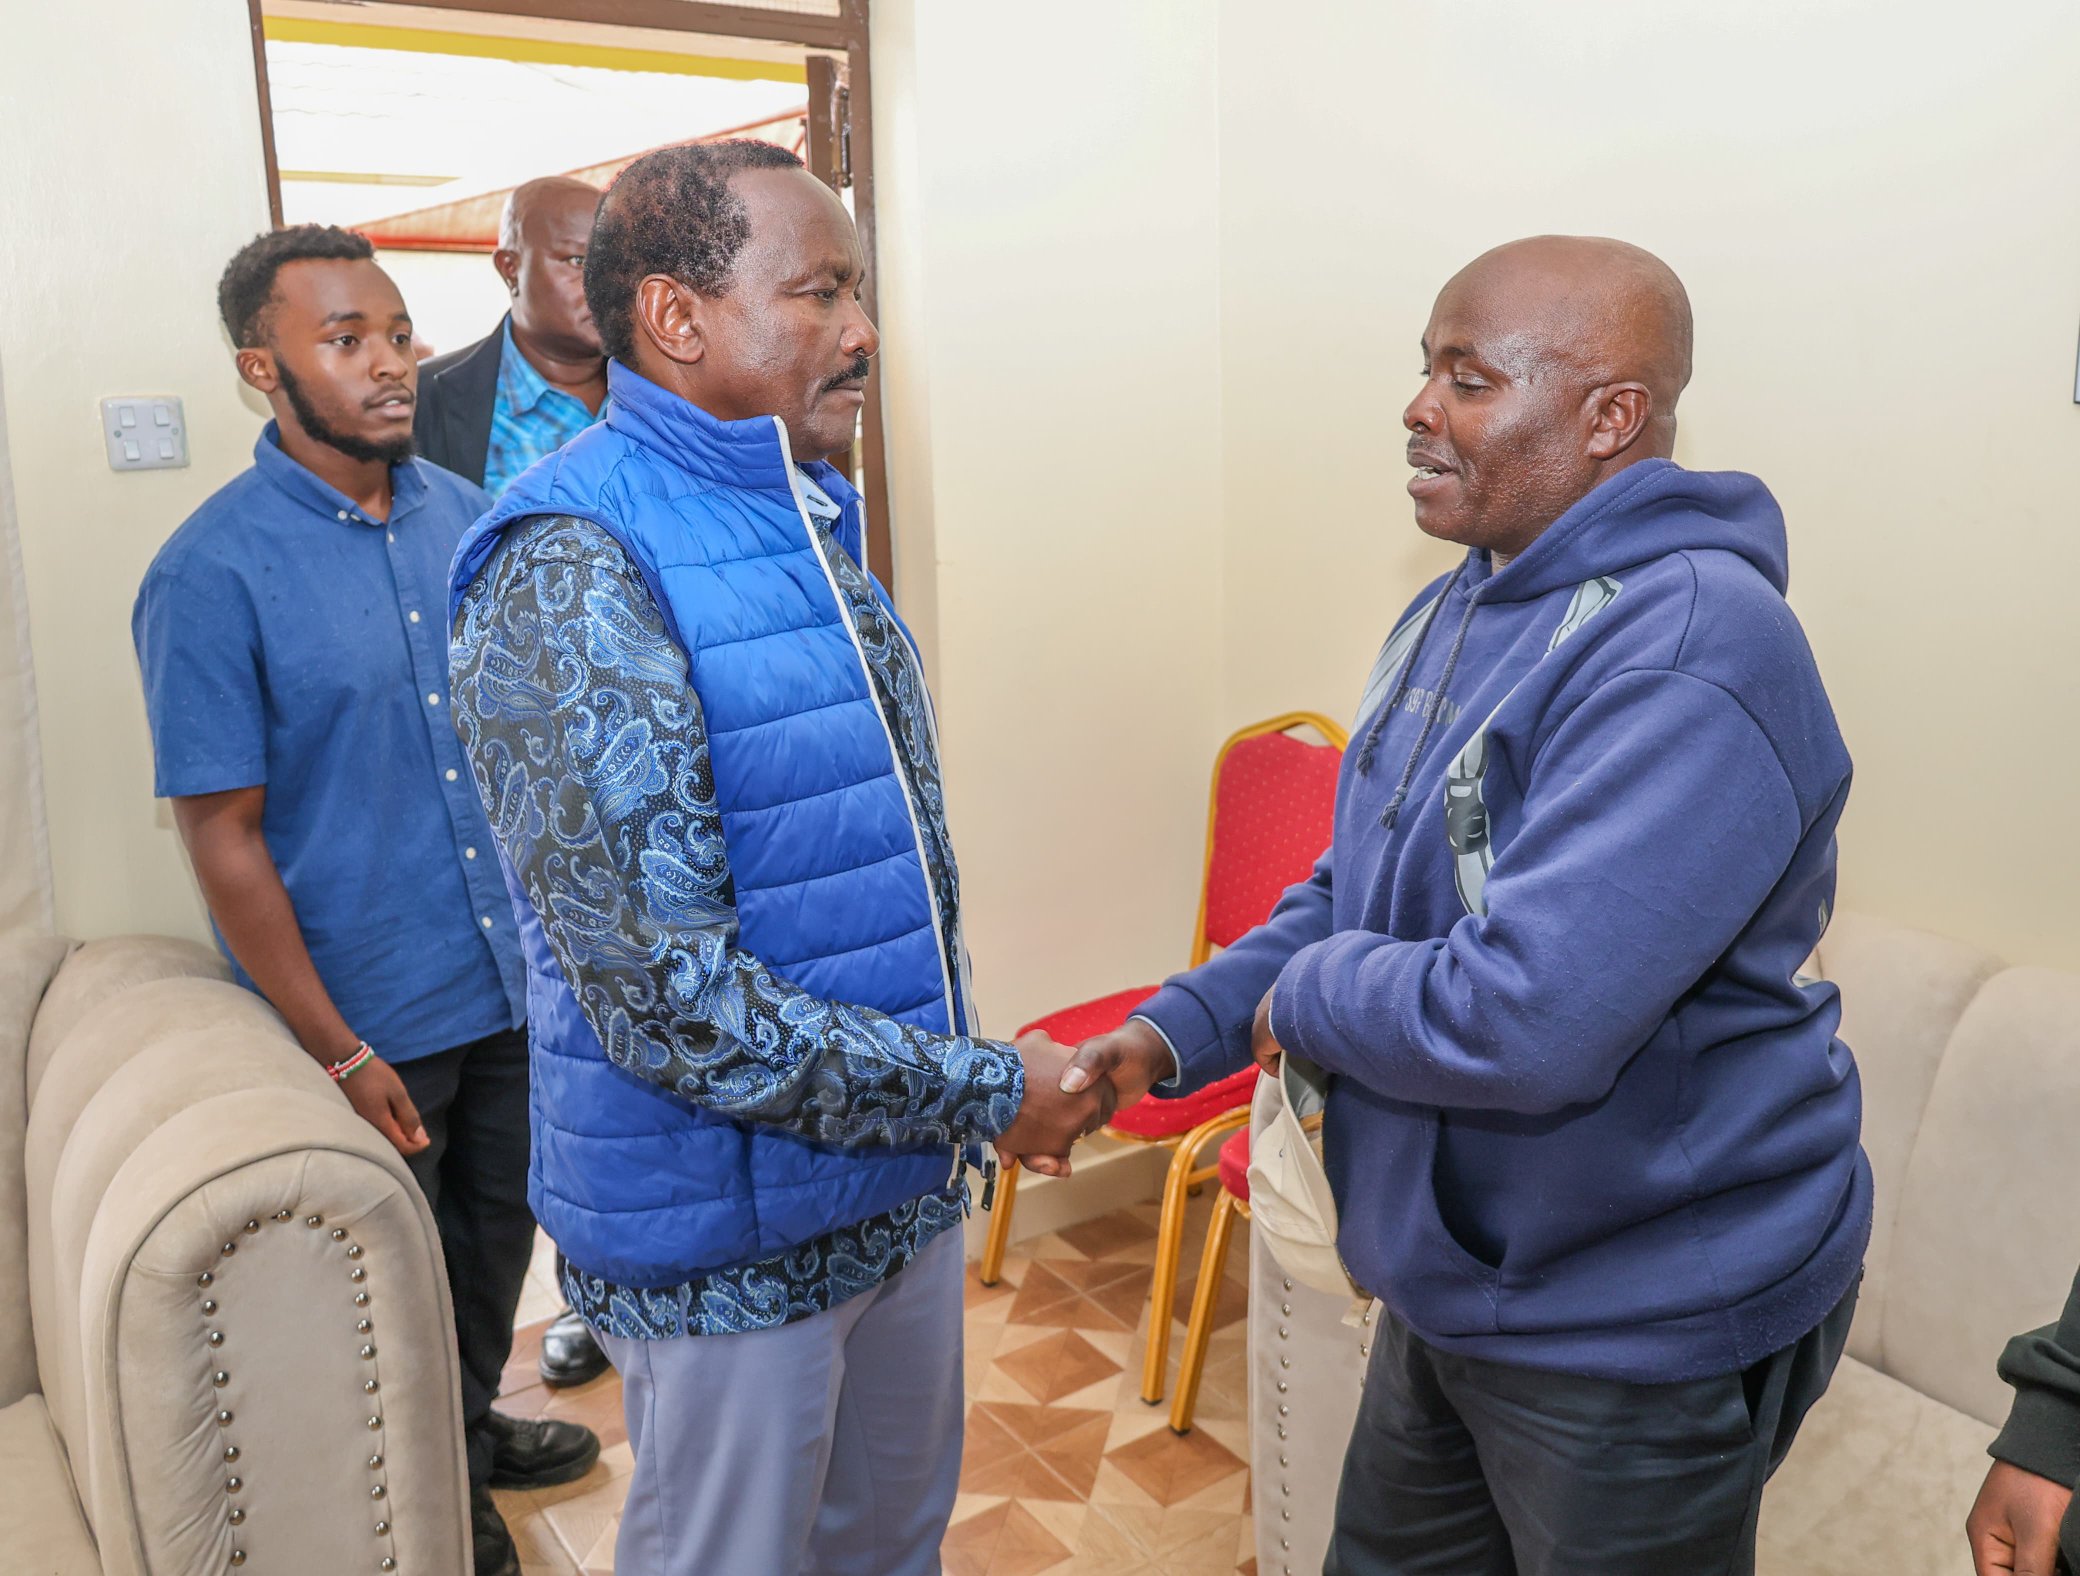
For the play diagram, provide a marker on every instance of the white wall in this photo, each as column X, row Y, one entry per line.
column 113, row 237
column 1872, row 202
column 1048, row 229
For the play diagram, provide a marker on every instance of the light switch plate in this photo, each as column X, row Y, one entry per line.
column 144, row 433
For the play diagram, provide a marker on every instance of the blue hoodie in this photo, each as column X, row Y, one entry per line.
column 1584, row 1116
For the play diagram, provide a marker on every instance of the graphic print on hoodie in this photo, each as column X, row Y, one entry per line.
column 1584, row 1117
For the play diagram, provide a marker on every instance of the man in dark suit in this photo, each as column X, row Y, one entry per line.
column 489, row 411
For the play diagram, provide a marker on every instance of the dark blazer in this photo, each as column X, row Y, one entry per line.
column 452, row 425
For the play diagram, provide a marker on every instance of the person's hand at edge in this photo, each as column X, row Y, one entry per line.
column 1052, row 1117
column 378, row 1097
column 2013, row 1527
column 1263, row 1044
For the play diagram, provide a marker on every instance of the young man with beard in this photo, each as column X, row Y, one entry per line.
column 291, row 636
column 1592, row 1139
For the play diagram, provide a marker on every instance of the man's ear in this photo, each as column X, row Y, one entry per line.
column 671, row 317
column 257, row 368
column 507, row 262
column 1619, row 414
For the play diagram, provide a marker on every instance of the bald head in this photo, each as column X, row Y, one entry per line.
column 1588, row 310
column 543, row 234
column 1549, row 364
column 533, row 203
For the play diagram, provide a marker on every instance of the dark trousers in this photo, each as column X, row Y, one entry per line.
column 473, row 1100
column 1460, row 1467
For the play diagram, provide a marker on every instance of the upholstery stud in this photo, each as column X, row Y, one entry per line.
column 231, row 1452
column 228, row 1249
column 353, row 1250
column 368, row 1387
column 382, row 1529
column 361, row 1299
column 1283, row 1387
column 238, row 1556
column 233, row 1484
column 375, row 1422
column 377, row 1492
column 252, row 1228
column 357, row 1273
column 314, row 1221
column 339, row 1233
column 215, row 1337
column 223, row 1420
column 237, row 1518
column 386, row 1564
column 282, row 1214
column 205, row 1279
column 375, row 1463
column 209, row 1306
column 363, row 1326
column 220, row 1378
column 368, row 1353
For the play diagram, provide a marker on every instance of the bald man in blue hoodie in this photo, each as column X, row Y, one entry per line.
column 1592, row 1139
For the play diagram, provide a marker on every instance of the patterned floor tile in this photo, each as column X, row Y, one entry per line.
column 1066, row 1471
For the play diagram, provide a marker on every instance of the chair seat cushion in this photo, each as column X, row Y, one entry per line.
column 1881, row 1479
column 1235, row 1164
column 1074, row 1025
column 1151, row 1118
column 41, row 1528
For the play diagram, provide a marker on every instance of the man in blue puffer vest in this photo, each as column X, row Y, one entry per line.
column 703, row 739
column 1592, row 1139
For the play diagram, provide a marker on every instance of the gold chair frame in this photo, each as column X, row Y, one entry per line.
column 1186, row 1173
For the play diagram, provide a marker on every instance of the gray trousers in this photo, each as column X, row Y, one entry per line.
column 828, row 1447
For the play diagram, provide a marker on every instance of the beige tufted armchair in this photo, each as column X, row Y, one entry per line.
column 225, row 1335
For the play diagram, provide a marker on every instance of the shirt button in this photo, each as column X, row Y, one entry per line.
column 487, row 921
column 343, row 514
column 413, row 616
column 434, row 699
column 469, row 853
column 389, row 536
column 450, row 774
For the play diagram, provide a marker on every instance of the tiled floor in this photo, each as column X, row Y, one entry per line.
column 1067, row 1472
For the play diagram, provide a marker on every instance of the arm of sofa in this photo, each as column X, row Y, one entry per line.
column 243, row 1324
column 1306, row 1371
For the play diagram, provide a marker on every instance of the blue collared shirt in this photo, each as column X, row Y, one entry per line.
column 530, row 417
column 289, row 641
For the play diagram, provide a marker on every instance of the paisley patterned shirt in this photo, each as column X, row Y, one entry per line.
column 586, row 739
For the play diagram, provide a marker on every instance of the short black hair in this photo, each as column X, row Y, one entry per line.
column 671, row 212
column 247, row 286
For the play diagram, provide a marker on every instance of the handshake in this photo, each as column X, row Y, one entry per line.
column 1072, row 1093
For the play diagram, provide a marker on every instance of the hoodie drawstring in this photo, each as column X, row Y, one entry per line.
column 1401, row 680
column 1431, row 709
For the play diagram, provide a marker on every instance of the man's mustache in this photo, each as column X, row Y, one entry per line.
column 854, row 374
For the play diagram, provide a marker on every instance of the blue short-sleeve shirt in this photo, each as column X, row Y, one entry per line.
column 289, row 641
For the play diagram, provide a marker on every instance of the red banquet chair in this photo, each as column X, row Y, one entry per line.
column 1269, row 816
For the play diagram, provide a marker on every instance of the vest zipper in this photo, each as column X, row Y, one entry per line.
column 895, row 754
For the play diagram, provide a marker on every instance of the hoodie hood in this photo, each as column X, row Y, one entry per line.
column 1646, row 511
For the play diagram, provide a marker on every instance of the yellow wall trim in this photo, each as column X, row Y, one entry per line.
column 537, row 51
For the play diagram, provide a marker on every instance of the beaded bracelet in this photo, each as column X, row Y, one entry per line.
column 363, row 1054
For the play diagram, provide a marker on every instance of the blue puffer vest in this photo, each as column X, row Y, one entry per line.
column 635, row 1184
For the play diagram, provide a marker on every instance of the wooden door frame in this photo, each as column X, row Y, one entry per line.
column 845, row 34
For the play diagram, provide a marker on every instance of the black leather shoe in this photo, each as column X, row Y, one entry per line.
column 539, row 1453
column 570, row 1354
column 494, row 1552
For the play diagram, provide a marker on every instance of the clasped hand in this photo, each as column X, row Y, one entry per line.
column 1071, row 1094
